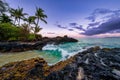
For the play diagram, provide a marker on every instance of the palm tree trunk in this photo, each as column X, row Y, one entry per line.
column 19, row 22
column 37, row 22
column 15, row 21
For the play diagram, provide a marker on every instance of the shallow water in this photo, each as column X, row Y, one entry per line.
column 18, row 56
column 54, row 53
column 12, row 57
column 69, row 49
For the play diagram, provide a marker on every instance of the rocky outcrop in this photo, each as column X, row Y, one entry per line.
column 15, row 47
column 33, row 69
column 24, row 46
column 92, row 64
column 59, row 40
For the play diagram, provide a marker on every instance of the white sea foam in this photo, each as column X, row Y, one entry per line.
column 64, row 52
column 54, row 47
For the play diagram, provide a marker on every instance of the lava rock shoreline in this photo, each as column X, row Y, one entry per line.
column 37, row 45
column 92, row 64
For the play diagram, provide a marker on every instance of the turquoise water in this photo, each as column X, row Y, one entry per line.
column 55, row 53
column 63, row 51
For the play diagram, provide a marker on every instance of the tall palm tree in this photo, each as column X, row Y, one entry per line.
column 40, row 16
column 5, row 18
column 37, row 29
column 25, row 30
column 31, row 20
column 3, row 6
column 13, row 13
column 17, row 14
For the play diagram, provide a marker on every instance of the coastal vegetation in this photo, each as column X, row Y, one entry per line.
column 16, row 25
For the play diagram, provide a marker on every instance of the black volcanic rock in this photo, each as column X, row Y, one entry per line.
column 38, row 45
column 64, row 39
column 92, row 64
column 97, row 64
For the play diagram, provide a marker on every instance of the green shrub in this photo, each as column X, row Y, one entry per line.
column 38, row 36
column 12, row 39
column 31, row 37
column 9, row 32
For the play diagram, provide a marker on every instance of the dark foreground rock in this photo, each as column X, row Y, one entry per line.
column 92, row 64
column 33, row 69
column 38, row 45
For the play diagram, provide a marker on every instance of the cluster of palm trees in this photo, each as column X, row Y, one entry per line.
column 3, row 6
column 17, row 15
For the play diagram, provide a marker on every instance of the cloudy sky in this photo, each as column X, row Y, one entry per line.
column 76, row 18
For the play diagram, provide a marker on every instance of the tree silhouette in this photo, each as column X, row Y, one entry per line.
column 3, row 6
column 17, row 14
column 40, row 16
column 5, row 18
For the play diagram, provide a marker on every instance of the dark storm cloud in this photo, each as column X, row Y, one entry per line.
column 60, row 26
column 109, row 26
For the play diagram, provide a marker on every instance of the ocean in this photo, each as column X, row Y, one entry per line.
column 56, row 53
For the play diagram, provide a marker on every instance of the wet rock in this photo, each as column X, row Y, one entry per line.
column 34, row 68
column 37, row 71
column 80, row 75
column 104, row 66
column 83, row 66
column 38, row 45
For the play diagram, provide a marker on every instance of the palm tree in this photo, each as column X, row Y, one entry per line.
column 18, row 14
column 37, row 29
column 31, row 20
column 5, row 18
column 13, row 14
column 40, row 15
column 3, row 6
column 25, row 30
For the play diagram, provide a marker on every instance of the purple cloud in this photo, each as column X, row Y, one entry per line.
column 50, row 33
column 91, row 25
column 80, row 27
column 94, row 24
column 102, row 11
column 70, row 29
column 59, row 26
column 115, row 31
column 106, row 27
column 73, row 24
column 91, row 18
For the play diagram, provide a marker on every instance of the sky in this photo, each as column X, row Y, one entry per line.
column 76, row 18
